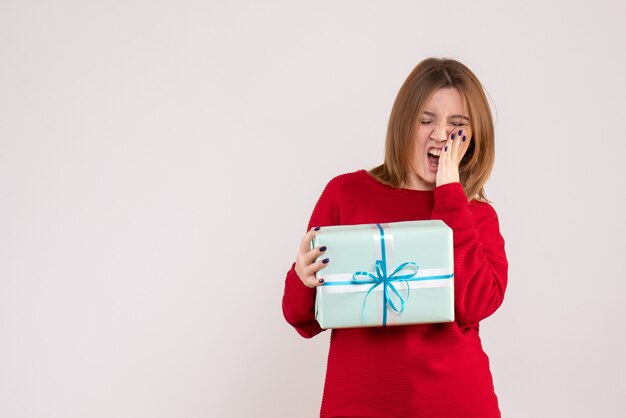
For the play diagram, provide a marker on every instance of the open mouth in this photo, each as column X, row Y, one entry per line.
column 433, row 160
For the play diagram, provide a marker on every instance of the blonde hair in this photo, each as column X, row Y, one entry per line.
column 428, row 76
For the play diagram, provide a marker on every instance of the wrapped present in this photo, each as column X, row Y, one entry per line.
column 395, row 273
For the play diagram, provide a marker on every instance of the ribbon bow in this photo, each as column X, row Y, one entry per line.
column 387, row 280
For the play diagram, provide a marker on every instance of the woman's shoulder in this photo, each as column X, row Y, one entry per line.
column 483, row 209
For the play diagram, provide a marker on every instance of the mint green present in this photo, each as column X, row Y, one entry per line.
column 395, row 273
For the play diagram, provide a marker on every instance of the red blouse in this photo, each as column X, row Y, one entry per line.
column 426, row 370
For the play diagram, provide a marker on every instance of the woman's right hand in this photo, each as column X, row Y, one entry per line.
column 306, row 266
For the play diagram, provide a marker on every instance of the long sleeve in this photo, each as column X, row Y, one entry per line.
column 298, row 299
column 480, row 263
column 426, row 370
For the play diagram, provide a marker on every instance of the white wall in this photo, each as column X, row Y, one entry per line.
column 159, row 161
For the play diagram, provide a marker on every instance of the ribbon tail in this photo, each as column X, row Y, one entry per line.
column 385, row 296
column 365, row 301
column 400, row 298
column 408, row 290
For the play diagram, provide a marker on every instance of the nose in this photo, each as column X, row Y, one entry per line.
column 441, row 132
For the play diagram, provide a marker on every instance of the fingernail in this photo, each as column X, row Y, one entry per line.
column 323, row 248
column 445, row 148
column 461, row 132
column 326, row 260
column 321, row 280
column 464, row 138
column 452, row 136
column 317, row 228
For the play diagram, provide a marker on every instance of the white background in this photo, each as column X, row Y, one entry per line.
column 159, row 161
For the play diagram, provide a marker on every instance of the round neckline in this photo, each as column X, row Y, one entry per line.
column 385, row 186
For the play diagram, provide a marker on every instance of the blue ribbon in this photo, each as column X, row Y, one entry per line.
column 386, row 280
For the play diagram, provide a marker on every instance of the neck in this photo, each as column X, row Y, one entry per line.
column 414, row 184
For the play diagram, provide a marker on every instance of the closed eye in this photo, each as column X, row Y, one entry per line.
column 457, row 124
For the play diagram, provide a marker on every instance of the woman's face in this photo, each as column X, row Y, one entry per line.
column 445, row 112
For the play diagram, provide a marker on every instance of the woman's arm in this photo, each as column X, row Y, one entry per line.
column 480, row 263
column 298, row 299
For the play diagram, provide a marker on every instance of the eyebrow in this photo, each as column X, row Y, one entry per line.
column 452, row 116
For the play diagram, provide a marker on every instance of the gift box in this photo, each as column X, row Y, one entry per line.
column 385, row 274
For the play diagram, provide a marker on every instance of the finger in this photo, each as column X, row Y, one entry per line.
column 309, row 277
column 313, row 281
column 313, row 254
column 317, row 266
column 447, row 158
column 444, row 159
column 316, row 282
column 464, row 143
column 305, row 244
column 455, row 145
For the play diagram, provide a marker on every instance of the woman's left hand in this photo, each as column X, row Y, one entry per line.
column 451, row 155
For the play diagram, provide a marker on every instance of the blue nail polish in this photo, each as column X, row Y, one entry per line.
column 321, row 280
column 317, row 228
column 461, row 132
column 323, row 248
column 464, row 138
column 326, row 260
column 452, row 136
column 446, row 148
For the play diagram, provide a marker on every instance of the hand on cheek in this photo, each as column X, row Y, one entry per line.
column 451, row 155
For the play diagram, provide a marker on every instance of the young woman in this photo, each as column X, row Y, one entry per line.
column 439, row 154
